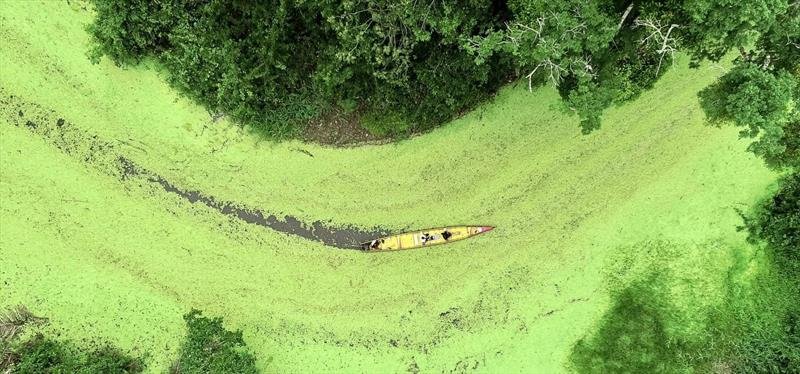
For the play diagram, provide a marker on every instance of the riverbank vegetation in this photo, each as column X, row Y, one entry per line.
column 32, row 352
column 408, row 66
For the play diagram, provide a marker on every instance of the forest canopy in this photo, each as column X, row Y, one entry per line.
column 407, row 66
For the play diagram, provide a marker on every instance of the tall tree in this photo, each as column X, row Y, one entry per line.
column 761, row 93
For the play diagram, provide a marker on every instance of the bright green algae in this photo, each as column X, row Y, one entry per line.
column 123, row 259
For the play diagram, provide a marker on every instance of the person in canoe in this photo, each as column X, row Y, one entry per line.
column 425, row 238
column 446, row 234
column 376, row 244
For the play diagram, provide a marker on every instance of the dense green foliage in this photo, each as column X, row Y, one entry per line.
column 45, row 355
column 593, row 56
column 760, row 324
column 777, row 222
column 407, row 66
column 598, row 58
column 760, row 94
column 40, row 354
column 766, row 323
column 276, row 65
column 210, row 348
column 760, row 101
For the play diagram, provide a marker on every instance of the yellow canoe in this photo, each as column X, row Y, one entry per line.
column 423, row 238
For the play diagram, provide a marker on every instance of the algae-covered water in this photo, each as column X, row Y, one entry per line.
column 92, row 240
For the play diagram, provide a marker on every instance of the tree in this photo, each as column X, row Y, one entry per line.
column 762, row 91
column 407, row 66
column 777, row 222
column 761, row 102
column 275, row 66
column 565, row 43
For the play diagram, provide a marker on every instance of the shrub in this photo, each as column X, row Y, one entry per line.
column 777, row 222
column 759, row 101
column 210, row 348
column 40, row 354
column 763, row 329
column 774, row 346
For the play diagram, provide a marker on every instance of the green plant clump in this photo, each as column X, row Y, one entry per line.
column 210, row 348
column 777, row 222
column 40, row 354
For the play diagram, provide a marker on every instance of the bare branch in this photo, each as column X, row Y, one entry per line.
column 789, row 39
column 659, row 36
column 666, row 48
column 530, row 77
column 555, row 71
column 517, row 30
column 745, row 55
column 14, row 320
column 766, row 63
column 584, row 66
column 524, row 26
column 624, row 17
column 540, row 21
column 574, row 30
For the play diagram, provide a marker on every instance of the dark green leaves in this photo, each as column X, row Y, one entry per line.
column 275, row 66
column 716, row 26
column 750, row 95
column 126, row 31
column 777, row 222
column 760, row 94
column 41, row 354
column 762, row 103
column 210, row 348
column 411, row 65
